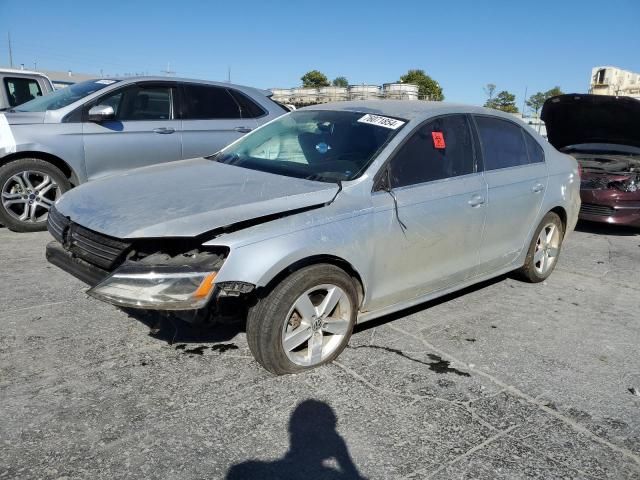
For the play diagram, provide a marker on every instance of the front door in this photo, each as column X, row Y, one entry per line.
column 143, row 132
column 431, row 241
column 516, row 176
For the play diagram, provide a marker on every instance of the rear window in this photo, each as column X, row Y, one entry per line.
column 21, row 90
column 502, row 143
column 536, row 153
column 203, row 102
column 248, row 108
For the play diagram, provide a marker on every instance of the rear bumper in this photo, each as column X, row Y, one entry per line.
column 61, row 258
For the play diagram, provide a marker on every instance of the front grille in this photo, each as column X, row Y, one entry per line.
column 596, row 210
column 95, row 248
column 57, row 224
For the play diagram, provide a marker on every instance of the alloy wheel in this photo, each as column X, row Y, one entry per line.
column 27, row 196
column 547, row 248
column 316, row 324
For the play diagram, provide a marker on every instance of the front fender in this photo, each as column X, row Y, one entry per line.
column 260, row 262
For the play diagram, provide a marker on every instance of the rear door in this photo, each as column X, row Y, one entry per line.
column 516, row 177
column 212, row 118
column 143, row 132
column 432, row 240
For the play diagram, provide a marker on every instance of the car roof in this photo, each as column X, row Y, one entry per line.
column 188, row 80
column 20, row 71
column 408, row 109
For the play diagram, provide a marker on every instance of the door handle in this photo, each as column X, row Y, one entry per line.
column 537, row 188
column 164, row 130
column 476, row 201
column 242, row 129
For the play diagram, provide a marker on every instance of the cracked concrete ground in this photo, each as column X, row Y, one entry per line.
column 505, row 380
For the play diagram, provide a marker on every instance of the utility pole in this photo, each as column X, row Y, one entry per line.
column 524, row 100
column 10, row 52
column 229, row 74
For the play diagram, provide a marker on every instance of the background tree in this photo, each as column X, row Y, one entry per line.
column 489, row 90
column 504, row 101
column 314, row 79
column 428, row 88
column 340, row 82
column 536, row 100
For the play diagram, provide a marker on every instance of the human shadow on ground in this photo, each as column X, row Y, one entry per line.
column 316, row 451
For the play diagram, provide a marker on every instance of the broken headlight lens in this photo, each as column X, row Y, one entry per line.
column 157, row 287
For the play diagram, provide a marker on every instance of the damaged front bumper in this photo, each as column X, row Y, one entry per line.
column 607, row 206
column 159, row 281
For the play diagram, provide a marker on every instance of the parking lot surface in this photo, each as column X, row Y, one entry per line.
column 503, row 380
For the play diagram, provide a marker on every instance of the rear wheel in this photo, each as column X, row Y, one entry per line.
column 305, row 321
column 28, row 189
column 544, row 249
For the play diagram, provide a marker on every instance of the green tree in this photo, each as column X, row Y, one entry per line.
column 504, row 101
column 314, row 79
column 428, row 88
column 536, row 100
column 340, row 82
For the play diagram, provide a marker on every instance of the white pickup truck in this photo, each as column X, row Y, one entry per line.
column 20, row 86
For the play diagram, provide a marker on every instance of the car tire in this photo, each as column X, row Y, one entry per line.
column 28, row 187
column 544, row 250
column 316, row 307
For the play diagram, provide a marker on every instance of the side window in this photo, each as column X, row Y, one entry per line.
column 248, row 108
column 536, row 153
column 202, row 102
column 442, row 148
column 21, row 90
column 139, row 103
column 502, row 143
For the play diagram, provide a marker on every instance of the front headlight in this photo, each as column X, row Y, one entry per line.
column 157, row 287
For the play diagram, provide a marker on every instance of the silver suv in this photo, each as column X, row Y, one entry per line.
column 99, row 127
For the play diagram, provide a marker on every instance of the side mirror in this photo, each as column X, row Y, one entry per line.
column 101, row 113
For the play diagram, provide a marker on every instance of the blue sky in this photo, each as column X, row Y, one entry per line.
column 462, row 44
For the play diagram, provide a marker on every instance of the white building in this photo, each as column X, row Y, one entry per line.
column 608, row 80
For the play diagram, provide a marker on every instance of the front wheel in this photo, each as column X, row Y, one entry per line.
column 544, row 249
column 304, row 321
column 28, row 189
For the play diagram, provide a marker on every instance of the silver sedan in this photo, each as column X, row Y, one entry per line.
column 322, row 218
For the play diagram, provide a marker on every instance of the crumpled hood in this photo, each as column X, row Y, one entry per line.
column 20, row 118
column 575, row 119
column 186, row 198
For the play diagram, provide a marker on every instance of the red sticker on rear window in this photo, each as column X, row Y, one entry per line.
column 438, row 140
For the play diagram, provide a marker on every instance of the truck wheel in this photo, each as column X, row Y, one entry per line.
column 28, row 189
column 544, row 249
column 304, row 321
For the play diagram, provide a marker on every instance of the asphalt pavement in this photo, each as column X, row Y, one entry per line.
column 503, row 380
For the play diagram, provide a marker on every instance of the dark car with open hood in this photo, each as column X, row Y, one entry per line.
column 603, row 134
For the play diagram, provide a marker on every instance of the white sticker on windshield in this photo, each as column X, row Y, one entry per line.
column 105, row 82
column 380, row 121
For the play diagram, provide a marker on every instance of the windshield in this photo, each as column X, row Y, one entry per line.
column 66, row 96
column 328, row 146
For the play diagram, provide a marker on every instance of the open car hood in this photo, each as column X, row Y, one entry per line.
column 188, row 198
column 575, row 119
